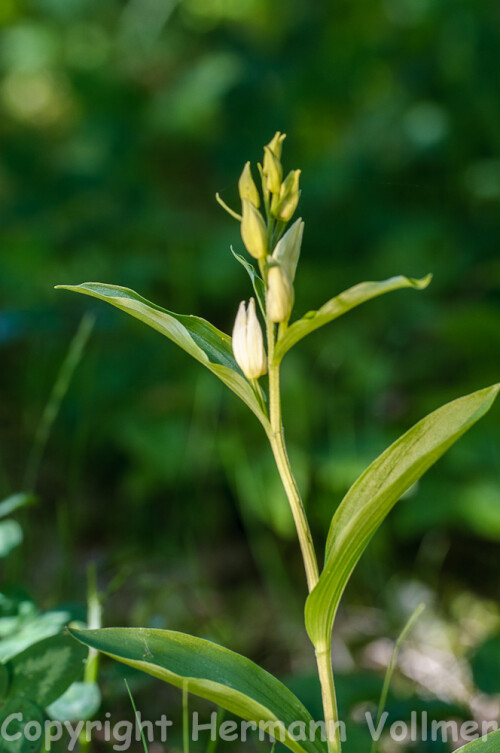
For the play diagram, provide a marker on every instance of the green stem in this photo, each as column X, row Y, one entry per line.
column 185, row 719
column 278, row 446
column 94, row 622
column 277, row 441
column 329, row 698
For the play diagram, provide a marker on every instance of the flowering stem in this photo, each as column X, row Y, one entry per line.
column 329, row 698
column 278, row 446
column 277, row 441
column 276, row 438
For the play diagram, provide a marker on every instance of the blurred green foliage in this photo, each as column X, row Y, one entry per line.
column 118, row 123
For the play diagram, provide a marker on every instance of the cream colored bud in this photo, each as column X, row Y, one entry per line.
column 248, row 342
column 280, row 294
column 273, row 172
column 253, row 230
column 289, row 196
column 276, row 143
column 247, row 187
column 287, row 250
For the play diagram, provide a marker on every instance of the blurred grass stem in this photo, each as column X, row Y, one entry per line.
column 57, row 395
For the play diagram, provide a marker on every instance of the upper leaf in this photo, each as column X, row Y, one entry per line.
column 210, row 671
column 339, row 305
column 376, row 491
column 196, row 336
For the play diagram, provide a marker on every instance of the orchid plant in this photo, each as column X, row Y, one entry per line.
column 249, row 363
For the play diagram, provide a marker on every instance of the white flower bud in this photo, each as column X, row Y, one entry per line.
column 253, row 230
column 287, row 250
column 247, row 187
column 248, row 342
column 280, row 294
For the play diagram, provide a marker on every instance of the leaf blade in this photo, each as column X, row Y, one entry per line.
column 45, row 670
column 341, row 304
column 79, row 702
column 197, row 337
column 207, row 670
column 376, row 491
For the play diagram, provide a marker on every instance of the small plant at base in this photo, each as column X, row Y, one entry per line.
column 204, row 668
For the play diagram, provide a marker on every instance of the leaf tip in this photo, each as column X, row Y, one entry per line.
column 66, row 287
column 423, row 282
column 490, row 395
column 495, row 389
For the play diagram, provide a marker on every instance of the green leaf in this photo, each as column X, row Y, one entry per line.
column 341, row 304
column 488, row 744
column 15, row 502
column 376, row 491
column 11, row 535
column 45, row 670
column 19, row 631
column 196, row 336
column 30, row 713
column 209, row 671
column 257, row 281
column 80, row 701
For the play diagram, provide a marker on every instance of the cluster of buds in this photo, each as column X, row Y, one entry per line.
column 280, row 198
column 276, row 251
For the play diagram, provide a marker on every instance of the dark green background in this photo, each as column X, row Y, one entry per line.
column 118, row 123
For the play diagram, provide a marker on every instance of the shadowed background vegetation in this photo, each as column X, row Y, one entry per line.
column 118, row 123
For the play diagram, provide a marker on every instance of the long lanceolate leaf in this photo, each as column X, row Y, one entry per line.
column 341, row 304
column 212, row 672
column 373, row 495
column 196, row 336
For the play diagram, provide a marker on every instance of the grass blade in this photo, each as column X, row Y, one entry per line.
column 392, row 664
column 57, row 395
column 143, row 737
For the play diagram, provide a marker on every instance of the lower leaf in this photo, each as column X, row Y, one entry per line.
column 212, row 672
